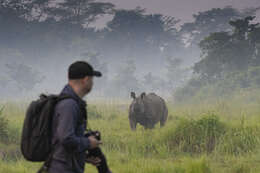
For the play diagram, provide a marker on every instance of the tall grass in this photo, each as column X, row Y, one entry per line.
column 3, row 127
column 196, row 136
column 219, row 137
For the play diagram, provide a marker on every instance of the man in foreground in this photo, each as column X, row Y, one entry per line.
column 69, row 123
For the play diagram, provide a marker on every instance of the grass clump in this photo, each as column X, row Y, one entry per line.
column 196, row 136
column 239, row 140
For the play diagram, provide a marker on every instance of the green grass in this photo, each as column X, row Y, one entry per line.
column 217, row 137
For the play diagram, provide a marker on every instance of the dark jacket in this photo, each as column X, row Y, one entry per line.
column 68, row 127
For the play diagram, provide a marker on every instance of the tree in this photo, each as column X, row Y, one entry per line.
column 254, row 37
column 141, row 35
column 94, row 60
column 153, row 83
column 214, row 20
column 242, row 27
column 39, row 10
column 211, row 21
column 12, row 22
column 81, row 12
column 25, row 77
column 223, row 52
column 176, row 74
column 124, row 81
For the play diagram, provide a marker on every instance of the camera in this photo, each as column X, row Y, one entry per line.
column 96, row 152
column 96, row 134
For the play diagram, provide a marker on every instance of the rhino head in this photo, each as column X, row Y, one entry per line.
column 137, row 109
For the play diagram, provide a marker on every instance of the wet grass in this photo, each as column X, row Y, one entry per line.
column 217, row 137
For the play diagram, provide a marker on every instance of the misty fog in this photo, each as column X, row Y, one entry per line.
column 136, row 50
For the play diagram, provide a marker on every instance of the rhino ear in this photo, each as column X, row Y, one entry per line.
column 142, row 95
column 133, row 95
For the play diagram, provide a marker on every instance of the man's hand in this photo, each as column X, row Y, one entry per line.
column 93, row 160
column 94, row 143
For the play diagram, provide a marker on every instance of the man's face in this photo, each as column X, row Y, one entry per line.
column 88, row 84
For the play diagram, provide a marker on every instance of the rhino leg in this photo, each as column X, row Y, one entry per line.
column 132, row 123
column 164, row 118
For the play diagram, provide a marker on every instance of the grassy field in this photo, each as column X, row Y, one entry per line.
column 208, row 137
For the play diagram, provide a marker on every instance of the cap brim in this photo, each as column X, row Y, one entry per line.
column 97, row 73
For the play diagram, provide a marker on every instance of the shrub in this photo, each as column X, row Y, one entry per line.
column 196, row 136
column 239, row 140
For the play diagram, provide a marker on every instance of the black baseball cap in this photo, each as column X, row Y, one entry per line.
column 81, row 69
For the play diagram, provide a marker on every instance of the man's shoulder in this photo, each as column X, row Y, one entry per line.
column 68, row 103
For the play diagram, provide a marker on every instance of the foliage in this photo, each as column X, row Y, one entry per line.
column 229, row 62
column 82, row 12
column 239, row 140
column 125, row 80
column 223, row 53
column 24, row 76
column 213, row 20
column 197, row 136
column 232, row 83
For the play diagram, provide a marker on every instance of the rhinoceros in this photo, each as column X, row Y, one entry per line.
column 147, row 110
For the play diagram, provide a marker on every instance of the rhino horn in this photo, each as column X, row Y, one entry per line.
column 142, row 95
column 133, row 95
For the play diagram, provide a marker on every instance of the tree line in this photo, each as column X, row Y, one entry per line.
column 40, row 30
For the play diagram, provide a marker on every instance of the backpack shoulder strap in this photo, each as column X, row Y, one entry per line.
column 64, row 96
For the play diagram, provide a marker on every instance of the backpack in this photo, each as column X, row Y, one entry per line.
column 36, row 133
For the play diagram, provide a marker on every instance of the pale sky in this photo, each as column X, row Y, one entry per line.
column 183, row 9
